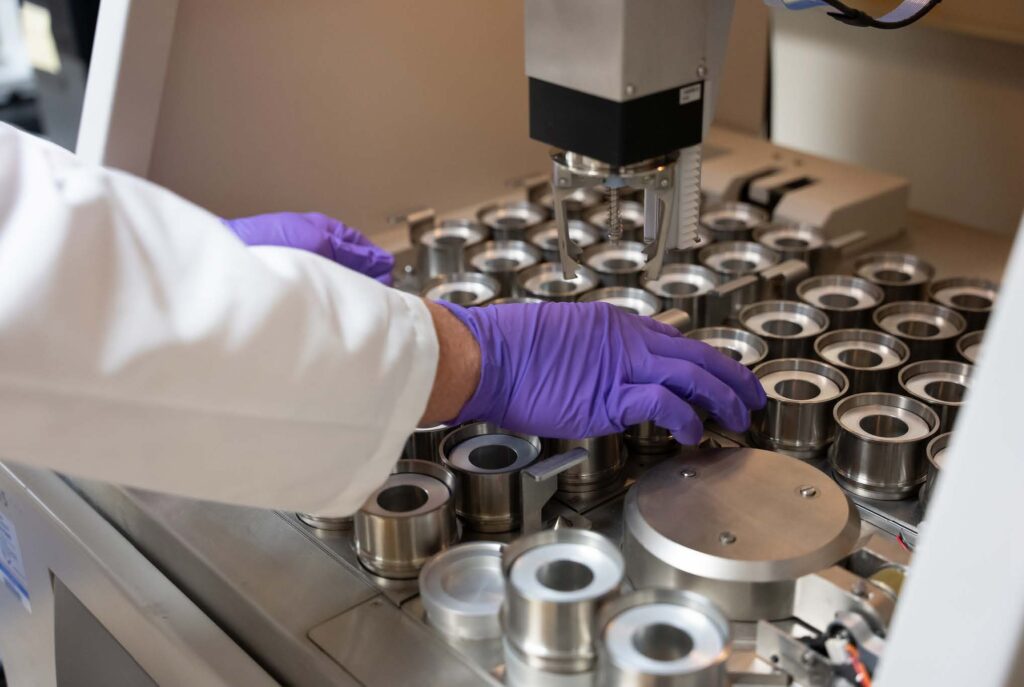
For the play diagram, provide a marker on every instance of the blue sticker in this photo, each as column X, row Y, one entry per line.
column 12, row 569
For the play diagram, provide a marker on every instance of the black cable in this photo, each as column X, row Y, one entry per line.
column 855, row 17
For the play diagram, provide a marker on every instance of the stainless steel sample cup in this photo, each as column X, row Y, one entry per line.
column 870, row 359
column 582, row 235
column 516, row 299
column 902, row 276
column 789, row 327
column 631, row 217
column 628, row 298
column 794, row 242
column 555, row 581
column 745, row 348
column 797, row 417
column 509, row 221
column 462, row 590
column 502, row 261
column 935, row 452
column 486, row 461
column 407, row 520
column 732, row 221
column 465, row 289
column 616, row 264
column 546, row 281
column 425, row 443
column 969, row 346
column 848, row 301
column 942, row 384
column 648, row 438
column 732, row 259
column 662, row 638
column 880, row 444
column 603, row 466
column 930, row 330
column 440, row 249
column 686, row 287
column 972, row 297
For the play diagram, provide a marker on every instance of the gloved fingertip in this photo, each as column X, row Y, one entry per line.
column 688, row 436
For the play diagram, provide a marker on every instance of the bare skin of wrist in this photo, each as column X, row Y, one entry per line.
column 458, row 368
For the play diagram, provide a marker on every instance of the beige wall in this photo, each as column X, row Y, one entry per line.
column 944, row 109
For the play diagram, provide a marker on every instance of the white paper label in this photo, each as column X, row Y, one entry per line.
column 12, row 569
column 689, row 94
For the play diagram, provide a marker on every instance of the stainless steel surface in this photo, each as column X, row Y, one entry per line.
column 440, row 248
column 509, row 221
column 462, row 590
column 327, row 523
column 679, row 320
column 781, row 648
column 848, row 301
column 796, row 242
column 929, row 330
column 738, row 258
column 935, row 453
column 629, row 298
column 662, row 638
column 903, row 276
column 969, row 346
column 689, row 255
column 539, row 482
column 820, row 595
column 880, row 444
column 515, row 299
column 789, row 327
column 972, row 297
column 555, row 582
column 941, row 384
column 502, row 261
column 647, row 438
column 797, row 416
column 545, row 281
column 618, row 263
column 631, row 219
column 688, row 288
column 462, row 288
column 870, row 359
column 732, row 221
column 425, row 443
column 603, row 466
column 582, row 235
column 686, row 526
column 486, row 461
column 740, row 345
column 406, row 520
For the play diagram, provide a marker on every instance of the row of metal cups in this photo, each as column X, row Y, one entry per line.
column 557, row 602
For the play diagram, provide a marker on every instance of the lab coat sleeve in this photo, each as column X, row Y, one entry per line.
column 142, row 343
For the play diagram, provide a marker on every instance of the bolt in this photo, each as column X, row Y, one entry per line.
column 687, row 473
column 726, row 538
column 630, row 89
column 859, row 588
column 807, row 657
column 702, row 69
column 664, row 183
column 808, row 492
column 563, row 182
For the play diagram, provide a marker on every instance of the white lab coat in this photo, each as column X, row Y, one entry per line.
column 142, row 343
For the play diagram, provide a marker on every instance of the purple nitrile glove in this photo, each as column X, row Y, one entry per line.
column 573, row 370
column 316, row 233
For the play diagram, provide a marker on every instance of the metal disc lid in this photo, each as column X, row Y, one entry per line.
column 496, row 452
column 742, row 514
column 462, row 590
column 745, row 348
column 629, row 298
column 464, row 288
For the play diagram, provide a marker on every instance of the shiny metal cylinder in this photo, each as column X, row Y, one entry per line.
column 941, row 384
column 902, row 276
column 516, row 299
column 794, row 242
column 486, row 461
column 870, row 359
column 582, row 235
column 879, row 451
column 546, row 281
column 789, row 327
column 745, row 348
column 616, row 264
column 686, row 287
column 462, row 590
column 579, row 202
column 930, row 330
column 648, row 438
column 441, row 249
column 509, row 221
column 628, row 298
column 731, row 259
column 969, row 346
column 797, row 417
column 732, row 221
column 602, row 468
column 972, row 297
column 327, row 523
column 555, row 582
column 408, row 519
column 425, row 443
column 848, row 301
column 465, row 288
column 503, row 261
column 935, row 453
column 662, row 638
column 631, row 217
column 689, row 256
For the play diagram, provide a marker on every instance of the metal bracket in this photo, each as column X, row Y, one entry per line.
column 779, row 281
column 674, row 317
column 539, row 483
column 806, row 666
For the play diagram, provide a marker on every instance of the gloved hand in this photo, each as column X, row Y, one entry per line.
column 576, row 370
column 318, row 234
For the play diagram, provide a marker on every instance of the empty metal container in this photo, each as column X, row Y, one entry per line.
column 795, row 242
column 546, row 281
column 870, row 359
column 942, row 384
column 602, row 468
column 582, row 235
column 740, row 345
column 616, row 263
column 509, row 221
column 935, row 452
column 969, row 345
column 848, row 301
column 425, row 443
column 689, row 288
column 628, row 298
column 731, row 259
column 732, row 221
column 902, row 276
column 930, row 330
column 440, row 249
column 502, row 261
column 789, row 327
column 972, row 297
column 465, row 289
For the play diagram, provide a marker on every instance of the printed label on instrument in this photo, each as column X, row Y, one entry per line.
column 11, row 567
column 689, row 94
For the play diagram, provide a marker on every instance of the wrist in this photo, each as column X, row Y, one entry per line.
column 457, row 378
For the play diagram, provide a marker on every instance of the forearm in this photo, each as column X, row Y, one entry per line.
column 458, row 367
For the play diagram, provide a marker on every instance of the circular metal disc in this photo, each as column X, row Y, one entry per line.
column 462, row 590
column 745, row 515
